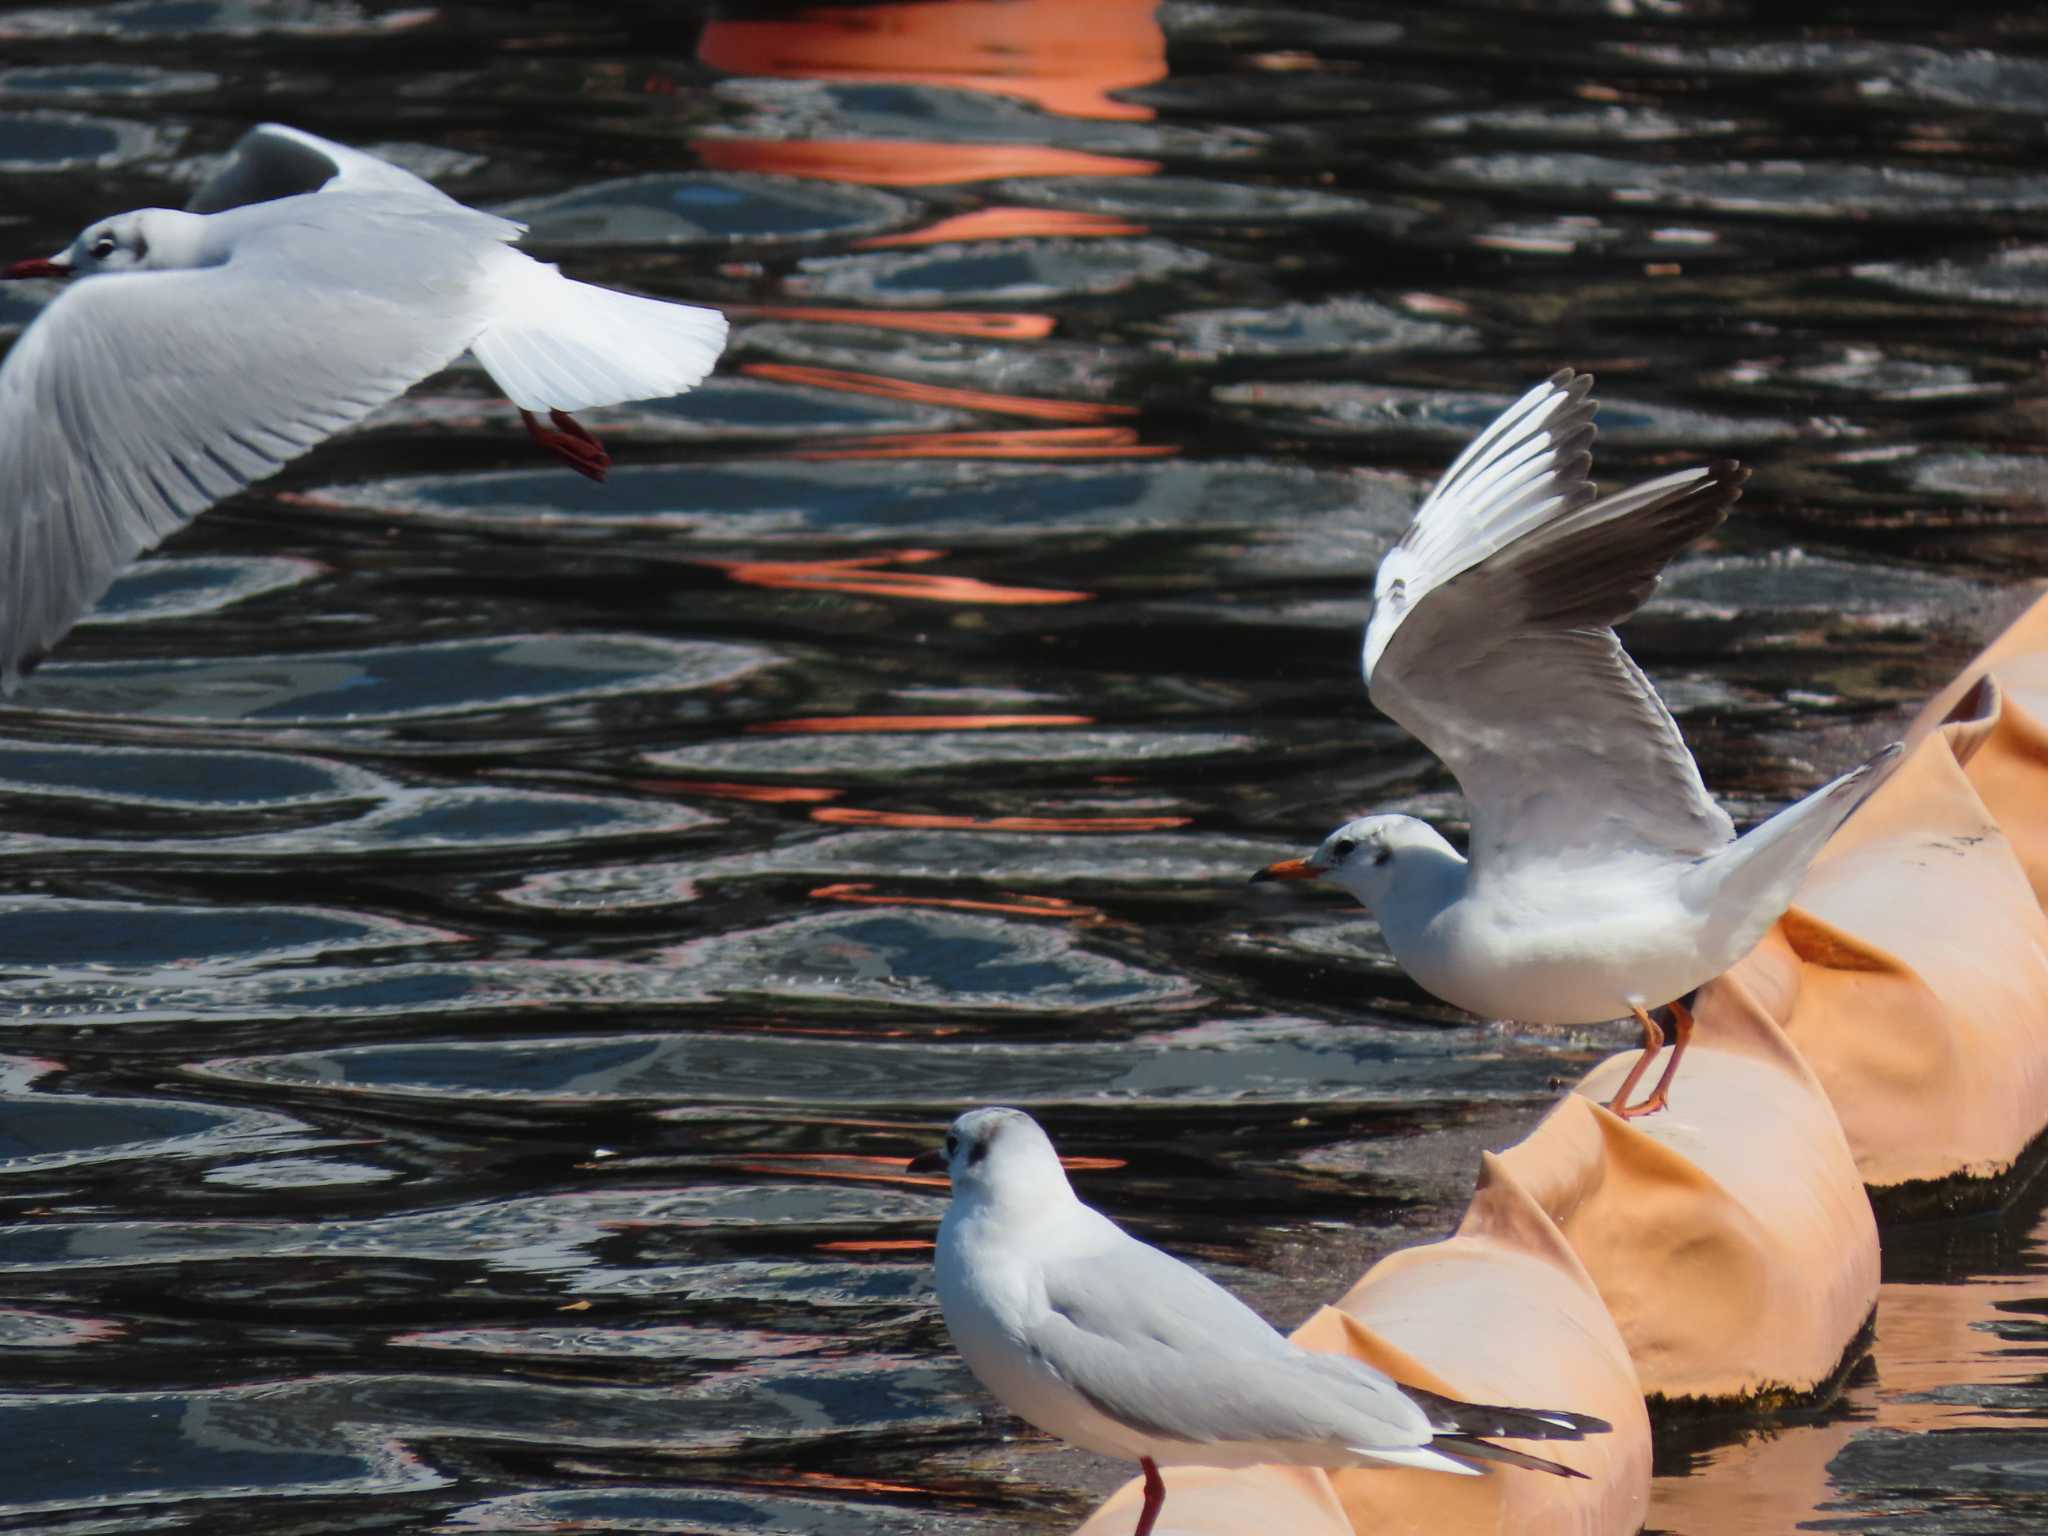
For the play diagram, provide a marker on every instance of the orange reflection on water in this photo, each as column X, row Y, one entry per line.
column 1939, row 1364
column 1066, row 56
column 860, row 576
column 883, row 1244
column 765, row 794
column 832, row 1480
column 884, row 387
column 1026, row 443
column 1008, row 224
column 1023, row 906
column 855, row 816
column 908, row 162
column 834, row 725
column 996, row 325
column 774, row 1167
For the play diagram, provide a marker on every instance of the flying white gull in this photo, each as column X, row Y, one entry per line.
column 1602, row 879
column 308, row 284
column 1107, row 1342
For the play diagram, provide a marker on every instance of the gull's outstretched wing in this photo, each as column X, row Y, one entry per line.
column 272, row 161
column 136, row 400
column 1161, row 1349
column 1491, row 640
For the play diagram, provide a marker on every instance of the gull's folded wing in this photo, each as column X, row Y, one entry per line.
column 1159, row 1348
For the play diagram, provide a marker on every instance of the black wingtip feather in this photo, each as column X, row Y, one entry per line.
column 1586, row 569
column 1449, row 1415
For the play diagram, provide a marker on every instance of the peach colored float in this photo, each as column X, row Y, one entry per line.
column 1725, row 1250
column 1926, row 1019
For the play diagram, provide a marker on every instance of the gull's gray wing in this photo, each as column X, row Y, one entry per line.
column 136, row 400
column 1159, row 1347
column 272, row 161
column 1491, row 640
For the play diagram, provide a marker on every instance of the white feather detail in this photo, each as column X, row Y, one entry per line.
column 552, row 343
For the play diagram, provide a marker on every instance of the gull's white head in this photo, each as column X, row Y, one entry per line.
column 1373, row 858
column 998, row 1156
column 149, row 239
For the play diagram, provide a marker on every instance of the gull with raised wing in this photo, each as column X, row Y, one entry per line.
column 196, row 351
column 1113, row 1345
column 1601, row 879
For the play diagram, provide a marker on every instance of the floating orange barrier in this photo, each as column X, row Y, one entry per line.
column 1729, row 1235
column 1925, row 1015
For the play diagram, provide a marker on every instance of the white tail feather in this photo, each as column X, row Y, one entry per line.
column 557, row 344
column 1414, row 1456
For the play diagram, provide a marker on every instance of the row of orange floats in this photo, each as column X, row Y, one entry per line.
column 1884, row 1051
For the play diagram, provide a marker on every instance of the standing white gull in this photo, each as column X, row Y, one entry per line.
column 1111, row 1344
column 198, row 351
column 1602, row 879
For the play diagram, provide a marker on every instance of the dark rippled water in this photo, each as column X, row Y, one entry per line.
column 475, row 945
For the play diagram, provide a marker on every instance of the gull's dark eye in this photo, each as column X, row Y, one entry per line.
column 1341, row 849
column 103, row 247
column 1382, row 854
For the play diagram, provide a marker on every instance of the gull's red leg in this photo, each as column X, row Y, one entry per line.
column 570, row 441
column 1653, row 1042
column 1681, row 1035
column 1155, row 1496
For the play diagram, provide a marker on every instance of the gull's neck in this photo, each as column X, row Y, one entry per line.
column 1430, row 881
column 1016, row 1202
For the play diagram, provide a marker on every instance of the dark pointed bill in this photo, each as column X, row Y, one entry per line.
column 1286, row 869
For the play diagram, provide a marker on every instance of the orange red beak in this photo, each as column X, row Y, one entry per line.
column 1286, row 869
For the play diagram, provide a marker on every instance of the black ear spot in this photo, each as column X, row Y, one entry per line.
column 1382, row 854
column 952, row 1146
column 980, row 1151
